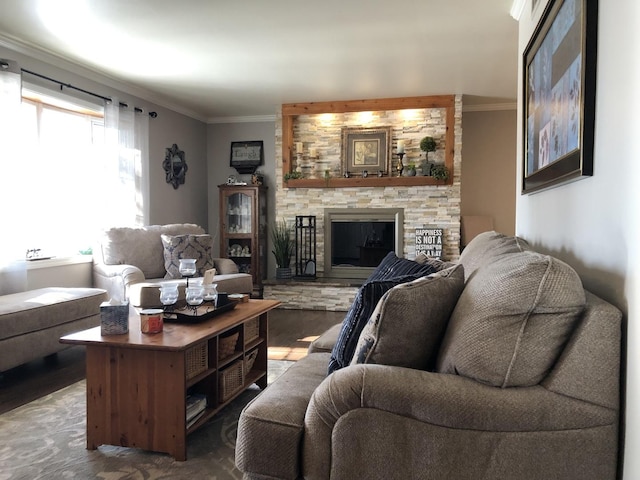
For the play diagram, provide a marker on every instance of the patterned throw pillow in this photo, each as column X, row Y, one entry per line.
column 392, row 271
column 408, row 324
column 187, row 246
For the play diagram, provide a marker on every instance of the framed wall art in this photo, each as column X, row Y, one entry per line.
column 246, row 157
column 366, row 149
column 559, row 85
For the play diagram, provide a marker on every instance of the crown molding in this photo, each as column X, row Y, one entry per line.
column 247, row 119
column 517, row 8
column 57, row 61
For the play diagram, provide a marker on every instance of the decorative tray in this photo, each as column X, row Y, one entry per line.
column 202, row 313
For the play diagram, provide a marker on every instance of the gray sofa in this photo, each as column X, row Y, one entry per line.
column 130, row 262
column 520, row 381
column 32, row 322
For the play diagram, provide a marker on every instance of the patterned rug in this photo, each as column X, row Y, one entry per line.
column 46, row 439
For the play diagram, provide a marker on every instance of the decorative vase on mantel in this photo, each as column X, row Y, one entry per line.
column 283, row 273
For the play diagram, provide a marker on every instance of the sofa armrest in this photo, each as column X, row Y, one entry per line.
column 116, row 279
column 446, row 401
column 225, row 266
column 325, row 342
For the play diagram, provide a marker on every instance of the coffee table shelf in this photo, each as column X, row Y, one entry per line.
column 137, row 383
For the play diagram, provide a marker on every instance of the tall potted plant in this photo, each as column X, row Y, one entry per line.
column 283, row 246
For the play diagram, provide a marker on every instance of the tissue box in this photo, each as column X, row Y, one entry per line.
column 114, row 319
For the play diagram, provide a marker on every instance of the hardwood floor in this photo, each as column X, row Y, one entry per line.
column 290, row 332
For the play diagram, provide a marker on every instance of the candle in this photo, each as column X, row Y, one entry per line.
column 400, row 146
column 313, row 152
column 298, row 147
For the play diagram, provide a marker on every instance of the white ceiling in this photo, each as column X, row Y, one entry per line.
column 214, row 59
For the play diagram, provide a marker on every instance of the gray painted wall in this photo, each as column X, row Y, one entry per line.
column 219, row 138
column 593, row 224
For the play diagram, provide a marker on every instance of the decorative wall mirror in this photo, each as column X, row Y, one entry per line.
column 175, row 166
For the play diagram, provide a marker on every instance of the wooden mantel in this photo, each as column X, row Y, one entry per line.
column 291, row 110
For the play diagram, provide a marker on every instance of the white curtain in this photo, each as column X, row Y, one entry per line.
column 125, row 198
column 13, row 275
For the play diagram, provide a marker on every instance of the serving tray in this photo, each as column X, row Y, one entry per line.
column 202, row 313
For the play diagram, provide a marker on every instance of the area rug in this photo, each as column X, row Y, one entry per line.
column 46, row 439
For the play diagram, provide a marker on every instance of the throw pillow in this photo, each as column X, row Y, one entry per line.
column 513, row 320
column 422, row 258
column 390, row 272
column 486, row 247
column 187, row 246
column 407, row 326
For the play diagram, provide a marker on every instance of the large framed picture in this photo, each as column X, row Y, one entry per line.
column 559, row 95
column 366, row 149
column 246, row 157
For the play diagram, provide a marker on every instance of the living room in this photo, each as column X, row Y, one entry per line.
column 591, row 224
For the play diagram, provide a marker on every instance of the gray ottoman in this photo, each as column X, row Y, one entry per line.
column 32, row 322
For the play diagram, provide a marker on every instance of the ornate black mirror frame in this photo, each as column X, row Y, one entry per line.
column 175, row 166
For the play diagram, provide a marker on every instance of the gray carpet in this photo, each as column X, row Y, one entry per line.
column 46, row 439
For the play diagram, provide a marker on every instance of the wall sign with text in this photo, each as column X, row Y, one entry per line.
column 429, row 241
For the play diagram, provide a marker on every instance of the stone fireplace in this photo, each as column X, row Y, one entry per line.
column 422, row 206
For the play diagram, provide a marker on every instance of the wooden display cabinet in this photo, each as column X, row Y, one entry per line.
column 243, row 230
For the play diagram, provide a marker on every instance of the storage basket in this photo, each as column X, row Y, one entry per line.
column 227, row 345
column 196, row 360
column 249, row 360
column 231, row 380
column 251, row 330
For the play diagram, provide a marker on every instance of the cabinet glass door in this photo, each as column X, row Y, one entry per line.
column 239, row 214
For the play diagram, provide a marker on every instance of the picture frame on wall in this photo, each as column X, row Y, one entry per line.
column 366, row 149
column 559, row 88
column 246, row 157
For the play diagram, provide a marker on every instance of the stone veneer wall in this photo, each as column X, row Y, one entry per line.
column 424, row 206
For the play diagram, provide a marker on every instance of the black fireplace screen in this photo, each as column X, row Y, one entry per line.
column 306, row 246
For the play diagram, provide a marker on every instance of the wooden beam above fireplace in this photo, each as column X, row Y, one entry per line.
column 292, row 110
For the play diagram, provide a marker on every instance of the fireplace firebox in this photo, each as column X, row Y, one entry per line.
column 357, row 239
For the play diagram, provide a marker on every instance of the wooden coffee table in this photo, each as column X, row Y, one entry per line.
column 137, row 383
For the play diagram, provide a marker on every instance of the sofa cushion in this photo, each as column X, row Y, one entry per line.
column 391, row 271
column 141, row 246
column 271, row 426
column 512, row 320
column 486, row 247
column 177, row 247
column 408, row 324
column 26, row 312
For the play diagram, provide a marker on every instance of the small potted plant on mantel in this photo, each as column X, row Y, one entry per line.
column 440, row 172
column 283, row 247
column 427, row 144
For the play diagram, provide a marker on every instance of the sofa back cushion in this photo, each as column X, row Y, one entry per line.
column 512, row 320
column 142, row 246
column 486, row 247
column 391, row 271
column 407, row 326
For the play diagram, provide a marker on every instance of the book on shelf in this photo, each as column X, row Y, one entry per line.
column 195, row 419
column 196, row 404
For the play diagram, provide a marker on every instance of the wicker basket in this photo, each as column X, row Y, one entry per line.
column 249, row 360
column 251, row 330
column 231, row 380
column 196, row 360
column 227, row 345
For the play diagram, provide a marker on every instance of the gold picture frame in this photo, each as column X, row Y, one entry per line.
column 366, row 149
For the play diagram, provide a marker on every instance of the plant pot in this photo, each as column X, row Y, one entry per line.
column 283, row 273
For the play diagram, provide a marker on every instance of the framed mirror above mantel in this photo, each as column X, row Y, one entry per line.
column 290, row 112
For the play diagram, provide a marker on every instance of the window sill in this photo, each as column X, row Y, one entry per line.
column 57, row 262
